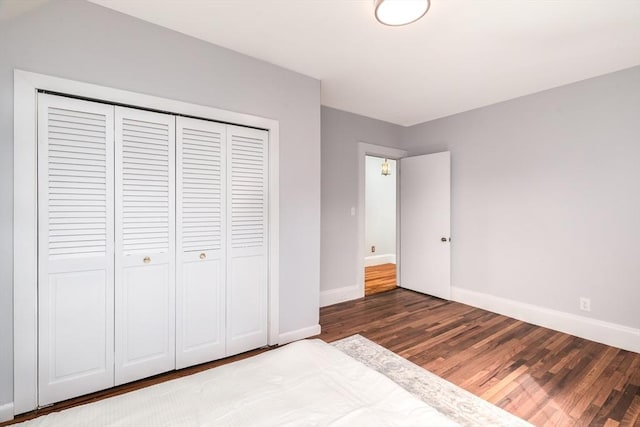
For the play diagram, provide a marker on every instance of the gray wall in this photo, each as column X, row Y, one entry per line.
column 546, row 196
column 341, row 132
column 82, row 41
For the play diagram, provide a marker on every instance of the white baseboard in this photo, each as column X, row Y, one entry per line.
column 608, row 333
column 299, row 334
column 346, row 293
column 6, row 412
column 379, row 259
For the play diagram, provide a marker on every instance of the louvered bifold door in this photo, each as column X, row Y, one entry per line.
column 247, row 210
column 75, row 248
column 145, row 244
column 200, row 221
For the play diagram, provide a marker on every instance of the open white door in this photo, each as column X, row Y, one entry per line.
column 425, row 224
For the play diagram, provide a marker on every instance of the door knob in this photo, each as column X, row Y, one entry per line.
column 203, row 255
column 146, row 260
column 443, row 239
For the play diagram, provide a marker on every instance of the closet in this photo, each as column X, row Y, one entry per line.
column 152, row 243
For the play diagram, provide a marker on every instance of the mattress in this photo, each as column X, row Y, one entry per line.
column 306, row 383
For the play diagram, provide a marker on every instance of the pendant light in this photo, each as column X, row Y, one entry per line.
column 400, row 12
column 386, row 168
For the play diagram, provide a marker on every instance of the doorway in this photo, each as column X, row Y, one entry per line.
column 423, row 213
column 380, row 224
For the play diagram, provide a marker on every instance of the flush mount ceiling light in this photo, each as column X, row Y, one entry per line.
column 400, row 12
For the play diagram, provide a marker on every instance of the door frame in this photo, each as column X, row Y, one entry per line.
column 364, row 150
column 25, row 217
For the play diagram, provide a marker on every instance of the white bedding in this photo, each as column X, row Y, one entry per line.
column 307, row 383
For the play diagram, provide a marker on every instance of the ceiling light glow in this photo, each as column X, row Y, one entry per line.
column 400, row 12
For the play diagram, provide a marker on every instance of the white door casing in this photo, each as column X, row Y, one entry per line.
column 247, row 243
column 425, row 224
column 201, row 241
column 75, row 259
column 144, row 244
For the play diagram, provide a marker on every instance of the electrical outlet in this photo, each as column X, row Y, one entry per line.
column 373, row 248
column 585, row 304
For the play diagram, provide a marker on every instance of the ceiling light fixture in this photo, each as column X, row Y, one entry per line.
column 386, row 168
column 400, row 12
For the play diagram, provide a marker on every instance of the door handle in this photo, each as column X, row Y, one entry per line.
column 146, row 260
column 443, row 239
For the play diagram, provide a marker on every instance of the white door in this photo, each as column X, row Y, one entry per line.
column 425, row 224
column 144, row 244
column 247, row 244
column 200, row 264
column 75, row 247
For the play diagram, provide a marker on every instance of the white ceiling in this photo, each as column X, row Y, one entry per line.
column 462, row 55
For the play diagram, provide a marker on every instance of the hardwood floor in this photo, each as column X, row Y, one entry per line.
column 379, row 278
column 545, row 377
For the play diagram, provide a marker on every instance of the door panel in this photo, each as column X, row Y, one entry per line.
column 246, row 299
column 201, row 270
column 203, row 312
column 145, row 243
column 425, row 220
column 147, row 302
column 66, row 289
column 75, row 247
column 247, row 211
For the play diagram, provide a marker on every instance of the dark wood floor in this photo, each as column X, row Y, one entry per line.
column 545, row 377
column 379, row 278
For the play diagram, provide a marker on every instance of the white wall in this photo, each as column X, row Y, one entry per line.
column 82, row 41
column 546, row 196
column 380, row 207
column 341, row 133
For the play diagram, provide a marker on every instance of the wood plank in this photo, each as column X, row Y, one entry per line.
column 379, row 278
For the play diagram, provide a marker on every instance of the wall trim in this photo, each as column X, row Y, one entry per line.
column 346, row 293
column 379, row 259
column 25, row 255
column 299, row 334
column 6, row 412
column 612, row 334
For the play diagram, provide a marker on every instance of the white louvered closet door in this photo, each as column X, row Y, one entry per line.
column 200, row 221
column 145, row 244
column 247, row 210
column 75, row 247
